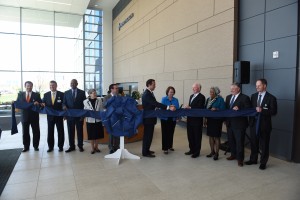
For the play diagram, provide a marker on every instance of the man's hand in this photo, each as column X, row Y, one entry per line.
column 172, row 107
column 43, row 104
column 235, row 108
column 65, row 108
column 36, row 103
column 258, row 109
column 187, row 107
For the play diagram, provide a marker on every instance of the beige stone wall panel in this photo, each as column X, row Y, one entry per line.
column 213, row 47
column 150, row 62
column 186, row 75
column 188, row 31
column 216, row 20
column 222, row 5
column 178, row 16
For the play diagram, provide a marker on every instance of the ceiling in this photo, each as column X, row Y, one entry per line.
column 103, row 4
column 66, row 6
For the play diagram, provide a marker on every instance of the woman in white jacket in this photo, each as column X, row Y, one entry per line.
column 94, row 126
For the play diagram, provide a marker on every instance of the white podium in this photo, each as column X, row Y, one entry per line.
column 122, row 153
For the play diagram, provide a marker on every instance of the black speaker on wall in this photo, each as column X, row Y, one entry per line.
column 242, row 72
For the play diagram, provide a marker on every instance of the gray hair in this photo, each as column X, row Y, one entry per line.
column 90, row 91
column 216, row 90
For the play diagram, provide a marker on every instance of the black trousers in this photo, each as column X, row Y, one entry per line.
column 113, row 142
column 59, row 122
column 194, row 133
column 147, row 138
column 35, row 126
column 260, row 141
column 73, row 122
column 236, row 139
column 167, row 133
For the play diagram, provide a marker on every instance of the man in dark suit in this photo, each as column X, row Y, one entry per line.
column 236, row 126
column 265, row 104
column 194, row 124
column 29, row 117
column 54, row 100
column 73, row 99
column 149, row 103
column 114, row 141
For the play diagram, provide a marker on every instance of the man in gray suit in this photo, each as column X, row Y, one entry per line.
column 114, row 141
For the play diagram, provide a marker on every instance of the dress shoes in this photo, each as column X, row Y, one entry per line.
column 98, row 150
column 166, row 152
column 25, row 150
column 92, row 152
column 216, row 156
column 81, row 149
column 36, row 149
column 196, row 155
column 188, row 153
column 149, row 156
column 171, row 149
column 250, row 162
column 210, row 155
column 61, row 149
column 240, row 163
column 69, row 150
column 151, row 152
column 262, row 166
column 49, row 150
column 230, row 158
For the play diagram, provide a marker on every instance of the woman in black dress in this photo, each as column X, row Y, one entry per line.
column 94, row 126
column 214, row 125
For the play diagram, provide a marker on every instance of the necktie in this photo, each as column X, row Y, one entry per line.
column 73, row 94
column 259, row 101
column 53, row 98
column 28, row 97
column 232, row 101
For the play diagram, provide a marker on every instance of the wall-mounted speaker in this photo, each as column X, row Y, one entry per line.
column 241, row 72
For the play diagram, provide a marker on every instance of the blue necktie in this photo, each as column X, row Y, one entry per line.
column 73, row 94
column 232, row 101
column 259, row 101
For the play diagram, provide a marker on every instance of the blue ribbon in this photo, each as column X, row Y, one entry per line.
column 122, row 117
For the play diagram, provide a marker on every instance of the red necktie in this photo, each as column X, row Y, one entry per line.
column 27, row 98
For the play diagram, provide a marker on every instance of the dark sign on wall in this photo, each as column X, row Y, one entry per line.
column 125, row 21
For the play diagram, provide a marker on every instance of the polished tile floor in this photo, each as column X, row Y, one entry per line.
column 61, row 176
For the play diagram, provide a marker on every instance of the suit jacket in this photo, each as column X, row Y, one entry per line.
column 243, row 102
column 58, row 102
column 198, row 102
column 269, row 108
column 88, row 106
column 29, row 115
column 70, row 103
column 149, row 103
column 106, row 98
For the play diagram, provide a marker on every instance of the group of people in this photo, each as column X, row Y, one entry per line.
column 260, row 125
column 262, row 101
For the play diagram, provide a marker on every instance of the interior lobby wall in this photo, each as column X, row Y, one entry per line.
column 177, row 43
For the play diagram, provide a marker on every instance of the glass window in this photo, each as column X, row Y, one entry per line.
column 9, row 20
column 10, row 52
column 37, row 53
column 10, row 85
column 68, row 55
column 64, row 79
column 40, row 80
column 37, row 22
column 68, row 25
